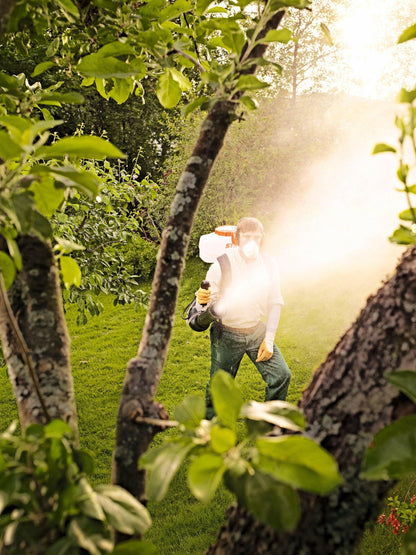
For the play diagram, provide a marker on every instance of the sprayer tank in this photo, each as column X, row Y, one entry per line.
column 212, row 245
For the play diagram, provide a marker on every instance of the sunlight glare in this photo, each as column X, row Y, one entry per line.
column 372, row 64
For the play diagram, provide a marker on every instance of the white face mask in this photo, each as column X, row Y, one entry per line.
column 251, row 250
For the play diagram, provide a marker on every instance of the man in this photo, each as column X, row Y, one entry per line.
column 252, row 294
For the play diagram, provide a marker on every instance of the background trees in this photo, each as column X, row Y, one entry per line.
column 115, row 60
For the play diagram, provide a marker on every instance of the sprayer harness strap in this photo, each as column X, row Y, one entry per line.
column 225, row 266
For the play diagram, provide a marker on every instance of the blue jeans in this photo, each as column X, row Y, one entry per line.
column 228, row 348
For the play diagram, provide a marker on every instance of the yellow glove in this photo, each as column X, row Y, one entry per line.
column 264, row 353
column 203, row 296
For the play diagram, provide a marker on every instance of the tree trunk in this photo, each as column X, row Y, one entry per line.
column 37, row 353
column 137, row 411
column 347, row 402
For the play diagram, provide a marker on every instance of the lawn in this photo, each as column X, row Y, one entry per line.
column 316, row 314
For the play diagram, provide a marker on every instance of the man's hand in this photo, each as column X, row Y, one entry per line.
column 203, row 296
column 264, row 353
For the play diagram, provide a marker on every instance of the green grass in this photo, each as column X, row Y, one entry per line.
column 316, row 314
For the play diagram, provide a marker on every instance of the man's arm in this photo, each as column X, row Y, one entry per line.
column 271, row 325
column 204, row 296
column 266, row 348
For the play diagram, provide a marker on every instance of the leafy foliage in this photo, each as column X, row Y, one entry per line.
column 47, row 504
column 261, row 470
column 126, row 42
column 392, row 455
column 104, row 236
column 34, row 182
column 405, row 234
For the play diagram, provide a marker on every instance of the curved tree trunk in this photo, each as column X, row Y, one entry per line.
column 347, row 402
column 138, row 413
column 37, row 353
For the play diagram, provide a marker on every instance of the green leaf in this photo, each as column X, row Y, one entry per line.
column 168, row 90
column 298, row 462
column 408, row 34
column 403, row 172
column 226, row 398
column 115, row 48
column 250, row 83
column 71, row 273
column 181, row 79
column 202, row 6
column 175, row 9
column 70, row 176
column 82, row 147
column 279, row 413
column 14, row 251
column 198, row 102
column 43, row 66
column 17, row 125
column 382, row 147
column 23, row 208
column 222, row 439
column 163, row 463
column 88, row 534
column 122, row 510
column 47, row 197
column 405, row 380
column 234, row 40
column 58, row 428
column 66, row 246
column 277, row 4
column 84, row 461
column 408, row 215
column 102, row 67
column 204, row 476
column 56, row 98
column 393, row 451
column 64, row 546
column 249, row 102
column 8, row 148
column 41, row 225
column 53, row 47
column 135, row 547
column 121, row 90
column 277, row 35
column 403, row 236
column 43, row 125
column 190, row 412
column 272, row 503
column 406, row 97
column 327, row 34
column 89, row 501
column 8, row 269
column 69, row 7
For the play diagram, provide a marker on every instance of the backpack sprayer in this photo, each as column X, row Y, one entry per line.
column 211, row 246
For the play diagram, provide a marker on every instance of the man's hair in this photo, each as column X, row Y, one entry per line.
column 248, row 225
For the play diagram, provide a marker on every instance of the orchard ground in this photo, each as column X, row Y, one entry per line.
column 318, row 310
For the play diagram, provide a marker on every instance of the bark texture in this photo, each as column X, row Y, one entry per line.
column 137, row 407
column 347, row 402
column 36, row 300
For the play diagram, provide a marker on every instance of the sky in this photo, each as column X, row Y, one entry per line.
column 352, row 205
column 372, row 64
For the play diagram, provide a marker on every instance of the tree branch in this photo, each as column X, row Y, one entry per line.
column 6, row 309
column 348, row 401
column 144, row 371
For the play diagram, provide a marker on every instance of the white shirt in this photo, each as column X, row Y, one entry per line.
column 253, row 290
